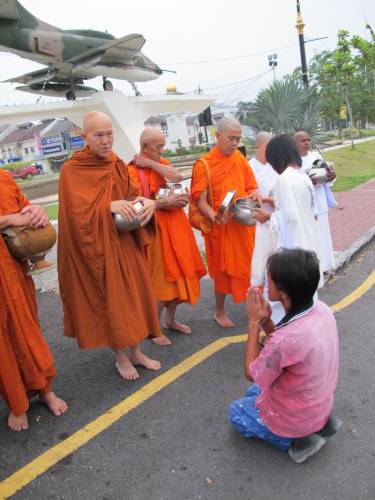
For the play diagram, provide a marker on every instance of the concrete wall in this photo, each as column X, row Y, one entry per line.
column 34, row 190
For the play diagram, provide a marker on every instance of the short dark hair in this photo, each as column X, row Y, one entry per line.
column 296, row 272
column 281, row 151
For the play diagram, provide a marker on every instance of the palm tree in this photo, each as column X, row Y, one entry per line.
column 284, row 107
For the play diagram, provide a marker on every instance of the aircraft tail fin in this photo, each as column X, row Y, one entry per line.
column 9, row 10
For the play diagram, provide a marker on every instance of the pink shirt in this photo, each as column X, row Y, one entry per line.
column 297, row 373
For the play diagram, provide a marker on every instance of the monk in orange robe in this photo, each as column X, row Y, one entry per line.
column 176, row 264
column 229, row 246
column 26, row 363
column 103, row 274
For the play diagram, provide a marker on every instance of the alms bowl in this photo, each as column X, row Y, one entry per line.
column 124, row 225
column 319, row 174
column 243, row 211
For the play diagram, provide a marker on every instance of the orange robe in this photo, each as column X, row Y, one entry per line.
column 229, row 248
column 175, row 261
column 103, row 274
column 26, row 363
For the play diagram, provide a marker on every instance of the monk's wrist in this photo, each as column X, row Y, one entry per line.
column 151, row 163
column 5, row 221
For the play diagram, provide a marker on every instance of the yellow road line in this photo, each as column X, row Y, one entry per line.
column 43, row 462
column 355, row 295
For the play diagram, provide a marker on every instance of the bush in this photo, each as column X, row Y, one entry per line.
column 194, row 150
column 357, row 133
column 16, row 165
column 167, row 153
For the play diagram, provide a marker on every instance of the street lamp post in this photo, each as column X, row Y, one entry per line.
column 300, row 25
column 272, row 62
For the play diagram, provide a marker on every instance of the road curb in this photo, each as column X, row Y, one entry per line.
column 343, row 258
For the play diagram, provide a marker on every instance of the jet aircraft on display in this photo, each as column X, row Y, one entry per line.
column 70, row 56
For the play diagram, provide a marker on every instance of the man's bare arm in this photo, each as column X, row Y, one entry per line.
column 167, row 171
column 14, row 220
column 171, row 201
column 206, row 208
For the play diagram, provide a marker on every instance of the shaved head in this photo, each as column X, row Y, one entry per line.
column 228, row 135
column 261, row 141
column 93, row 118
column 149, row 135
column 300, row 133
column 228, row 123
column 303, row 142
column 263, row 138
column 152, row 143
column 98, row 134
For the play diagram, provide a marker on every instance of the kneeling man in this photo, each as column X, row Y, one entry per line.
column 295, row 374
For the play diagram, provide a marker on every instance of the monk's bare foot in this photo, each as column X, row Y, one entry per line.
column 162, row 340
column 56, row 405
column 176, row 326
column 137, row 357
column 18, row 423
column 223, row 320
column 126, row 368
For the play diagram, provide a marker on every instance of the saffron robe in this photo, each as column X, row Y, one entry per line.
column 175, row 261
column 26, row 363
column 103, row 274
column 229, row 247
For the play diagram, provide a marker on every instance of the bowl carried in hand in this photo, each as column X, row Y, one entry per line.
column 123, row 225
column 243, row 211
column 29, row 243
column 318, row 171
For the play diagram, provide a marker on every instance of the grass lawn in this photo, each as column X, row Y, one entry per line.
column 52, row 211
column 353, row 167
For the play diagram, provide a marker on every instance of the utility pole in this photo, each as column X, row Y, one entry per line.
column 300, row 25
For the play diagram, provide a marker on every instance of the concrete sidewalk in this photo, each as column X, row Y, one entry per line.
column 353, row 221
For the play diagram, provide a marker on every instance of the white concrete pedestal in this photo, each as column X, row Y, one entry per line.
column 127, row 114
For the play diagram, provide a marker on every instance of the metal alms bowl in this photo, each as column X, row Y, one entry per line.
column 243, row 211
column 123, row 225
column 162, row 193
column 177, row 188
column 320, row 174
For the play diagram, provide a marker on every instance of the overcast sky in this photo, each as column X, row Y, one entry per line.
column 180, row 33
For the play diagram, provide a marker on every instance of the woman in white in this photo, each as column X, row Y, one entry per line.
column 293, row 223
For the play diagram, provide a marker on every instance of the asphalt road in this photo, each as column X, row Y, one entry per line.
column 177, row 444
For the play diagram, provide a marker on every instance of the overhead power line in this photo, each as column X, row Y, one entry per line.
column 231, row 84
column 205, row 61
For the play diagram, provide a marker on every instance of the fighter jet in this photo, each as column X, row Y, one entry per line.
column 70, row 56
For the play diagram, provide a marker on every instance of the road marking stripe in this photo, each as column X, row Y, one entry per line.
column 43, row 462
column 355, row 295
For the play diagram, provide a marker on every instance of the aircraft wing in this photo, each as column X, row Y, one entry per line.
column 40, row 75
column 120, row 46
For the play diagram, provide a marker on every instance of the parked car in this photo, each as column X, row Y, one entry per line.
column 39, row 166
column 27, row 172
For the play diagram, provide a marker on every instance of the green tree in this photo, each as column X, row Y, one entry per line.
column 284, row 107
column 345, row 76
column 340, row 70
column 200, row 138
column 330, row 100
